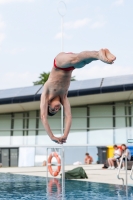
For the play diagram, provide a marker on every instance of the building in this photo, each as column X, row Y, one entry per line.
column 102, row 111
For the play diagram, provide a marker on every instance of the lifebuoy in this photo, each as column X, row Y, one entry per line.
column 51, row 184
column 54, row 173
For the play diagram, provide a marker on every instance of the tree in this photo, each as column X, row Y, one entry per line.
column 44, row 77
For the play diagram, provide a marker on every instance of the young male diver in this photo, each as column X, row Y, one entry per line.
column 56, row 88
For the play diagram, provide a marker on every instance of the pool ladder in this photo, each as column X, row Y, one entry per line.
column 131, row 173
column 119, row 168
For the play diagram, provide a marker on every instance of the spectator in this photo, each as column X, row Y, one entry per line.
column 117, row 155
column 44, row 163
column 88, row 159
column 126, row 152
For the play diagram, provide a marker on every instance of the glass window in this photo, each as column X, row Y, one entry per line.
column 100, row 117
column 17, row 138
column 78, row 132
column 32, row 128
column 5, row 126
column 120, row 120
column 79, row 119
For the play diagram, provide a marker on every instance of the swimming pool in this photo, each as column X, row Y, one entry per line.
column 14, row 187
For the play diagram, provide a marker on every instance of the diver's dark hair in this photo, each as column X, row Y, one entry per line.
column 87, row 154
column 50, row 114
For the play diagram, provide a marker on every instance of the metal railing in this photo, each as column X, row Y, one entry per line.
column 126, row 178
column 131, row 172
column 119, row 168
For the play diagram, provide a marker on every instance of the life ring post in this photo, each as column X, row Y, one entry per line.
column 49, row 161
column 60, row 157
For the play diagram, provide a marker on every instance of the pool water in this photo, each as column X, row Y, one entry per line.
column 14, row 187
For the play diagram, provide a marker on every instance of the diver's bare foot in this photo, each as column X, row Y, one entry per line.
column 106, row 56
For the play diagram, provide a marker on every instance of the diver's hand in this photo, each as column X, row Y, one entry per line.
column 56, row 139
column 63, row 139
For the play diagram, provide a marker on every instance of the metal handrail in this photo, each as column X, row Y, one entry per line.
column 119, row 168
column 131, row 172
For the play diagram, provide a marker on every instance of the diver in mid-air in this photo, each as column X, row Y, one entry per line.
column 56, row 88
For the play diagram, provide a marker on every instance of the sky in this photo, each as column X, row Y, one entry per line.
column 30, row 37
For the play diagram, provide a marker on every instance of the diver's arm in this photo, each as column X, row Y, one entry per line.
column 44, row 109
column 68, row 117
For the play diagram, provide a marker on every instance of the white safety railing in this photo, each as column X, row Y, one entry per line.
column 119, row 168
column 118, row 173
column 131, row 172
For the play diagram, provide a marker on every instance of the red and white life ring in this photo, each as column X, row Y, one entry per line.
column 54, row 173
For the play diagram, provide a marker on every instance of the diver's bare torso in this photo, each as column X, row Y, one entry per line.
column 58, row 83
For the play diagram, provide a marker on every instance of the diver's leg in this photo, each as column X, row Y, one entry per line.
column 78, row 60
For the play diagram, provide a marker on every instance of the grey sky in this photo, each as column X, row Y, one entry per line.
column 30, row 37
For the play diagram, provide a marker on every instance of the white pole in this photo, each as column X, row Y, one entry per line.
column 62, row 124
column 62, row 14
column 62, row 111
column 62, row 24
column 62, row 11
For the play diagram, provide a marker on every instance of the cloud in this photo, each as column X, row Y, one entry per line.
column 77, row 24
column 2, row 24
column 12, row 1
column 59, row 35
column 2, row 37
column 98, row 25
column 15, row 51
column 15, row 79
column 73, row 25
column 98, row 71
column 118, row 2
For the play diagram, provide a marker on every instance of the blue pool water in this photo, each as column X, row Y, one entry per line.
column 14, row 187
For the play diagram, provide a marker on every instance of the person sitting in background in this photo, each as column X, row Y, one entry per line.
column 88, row 159
column 126, row 153
column 117, row 155
column 44, row 163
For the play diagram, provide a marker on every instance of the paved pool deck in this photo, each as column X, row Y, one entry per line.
column 95, row 173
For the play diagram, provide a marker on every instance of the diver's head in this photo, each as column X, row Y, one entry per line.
column 54, row 106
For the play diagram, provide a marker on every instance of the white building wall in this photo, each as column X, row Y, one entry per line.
column 100, row 127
